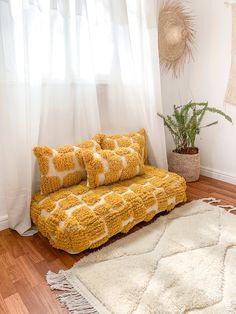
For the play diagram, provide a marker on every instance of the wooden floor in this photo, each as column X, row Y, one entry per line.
column 24, row 261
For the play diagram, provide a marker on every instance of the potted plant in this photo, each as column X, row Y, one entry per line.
column 184, row 125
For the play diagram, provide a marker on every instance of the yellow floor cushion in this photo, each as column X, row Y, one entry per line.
column 77, row 218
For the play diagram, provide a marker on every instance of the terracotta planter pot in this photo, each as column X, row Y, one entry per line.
column 186, row 165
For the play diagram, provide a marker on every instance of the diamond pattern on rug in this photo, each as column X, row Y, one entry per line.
column 139, row 268
column 187, row 284
column 175, row 240
column 182, row 263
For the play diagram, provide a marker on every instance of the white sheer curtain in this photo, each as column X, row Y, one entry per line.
column 70, row 69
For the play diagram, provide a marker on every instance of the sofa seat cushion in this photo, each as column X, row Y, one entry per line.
column 77, row 218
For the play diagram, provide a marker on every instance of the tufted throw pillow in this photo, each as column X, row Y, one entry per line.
column 62, row 167
column 114, row 141
column 108, row 166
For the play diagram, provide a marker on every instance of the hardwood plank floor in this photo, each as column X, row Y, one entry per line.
column 24, row 261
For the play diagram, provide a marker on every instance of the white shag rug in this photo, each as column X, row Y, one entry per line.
column 184, row 262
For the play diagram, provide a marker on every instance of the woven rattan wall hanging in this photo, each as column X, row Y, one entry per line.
column 175, row 36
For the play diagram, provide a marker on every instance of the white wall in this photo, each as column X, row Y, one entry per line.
column 205, row 79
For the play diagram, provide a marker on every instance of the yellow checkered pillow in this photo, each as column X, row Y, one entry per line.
column 107, row 166
column 62, row 167
column 114, row 141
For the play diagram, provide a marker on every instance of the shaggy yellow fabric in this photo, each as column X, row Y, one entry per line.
column 62, row 167
column 114, row 141
column 108, row 166
column 77, row 218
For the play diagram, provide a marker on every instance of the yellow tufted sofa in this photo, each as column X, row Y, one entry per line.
column 78, row 217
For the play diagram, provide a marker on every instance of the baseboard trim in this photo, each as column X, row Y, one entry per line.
column 3, row 222
column 219, row 175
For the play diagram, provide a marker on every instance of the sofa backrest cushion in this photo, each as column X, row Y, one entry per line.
column 126, row 140
column 62, row 167
column 108, row 166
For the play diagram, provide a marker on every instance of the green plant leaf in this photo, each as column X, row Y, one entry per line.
column 214, row 110
column 210, row 124
column 185, row 122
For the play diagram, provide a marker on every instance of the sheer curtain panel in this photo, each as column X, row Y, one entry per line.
column 70, row 69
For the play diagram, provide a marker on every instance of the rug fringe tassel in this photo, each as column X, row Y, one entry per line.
column 70, row 298
column 211, row 200
column 230, row 208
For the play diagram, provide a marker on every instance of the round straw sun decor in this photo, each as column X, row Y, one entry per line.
column 175, row 36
